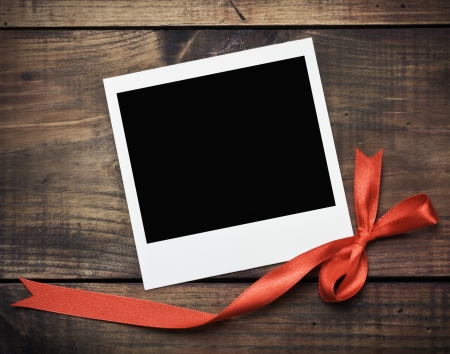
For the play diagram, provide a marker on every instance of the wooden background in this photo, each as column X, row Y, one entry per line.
column 385, row 68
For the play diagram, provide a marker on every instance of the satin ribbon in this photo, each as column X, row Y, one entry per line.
column 342, row 259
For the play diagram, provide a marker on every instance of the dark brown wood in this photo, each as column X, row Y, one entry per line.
column 63, row 212
column 382, row 318
column 65, row 13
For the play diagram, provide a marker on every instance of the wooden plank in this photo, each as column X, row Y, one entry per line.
column 69, row 13
column 385, row 318
column 63, row 212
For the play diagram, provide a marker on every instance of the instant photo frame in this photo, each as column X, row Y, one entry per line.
column 228, row 163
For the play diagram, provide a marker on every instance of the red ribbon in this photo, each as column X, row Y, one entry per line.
column 344, row 258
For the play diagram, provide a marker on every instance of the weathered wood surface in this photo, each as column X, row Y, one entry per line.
column 94, row 13
column 382, row 318
column 63, row 212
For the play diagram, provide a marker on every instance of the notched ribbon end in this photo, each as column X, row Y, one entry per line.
column 29, row 301
column 359, row 153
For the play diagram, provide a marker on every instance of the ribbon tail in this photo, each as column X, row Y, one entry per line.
column 121, row 309
column 109, row 308
column 367, row 188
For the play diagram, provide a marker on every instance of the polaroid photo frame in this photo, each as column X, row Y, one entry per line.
column 228, row 163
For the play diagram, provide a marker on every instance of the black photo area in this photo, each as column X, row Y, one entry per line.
column 225, row 149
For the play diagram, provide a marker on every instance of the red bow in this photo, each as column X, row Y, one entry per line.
column 343, row 259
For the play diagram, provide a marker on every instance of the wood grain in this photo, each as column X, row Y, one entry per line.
column 96, row 13
column 383, row 318
column 63, row 212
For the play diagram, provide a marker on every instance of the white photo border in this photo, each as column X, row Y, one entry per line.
column 239, row 247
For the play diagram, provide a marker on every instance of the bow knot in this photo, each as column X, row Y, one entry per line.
column 362, row 237
column 344, row 273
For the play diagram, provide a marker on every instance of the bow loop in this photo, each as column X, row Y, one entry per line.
column 350, row 265
column 412, row 213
